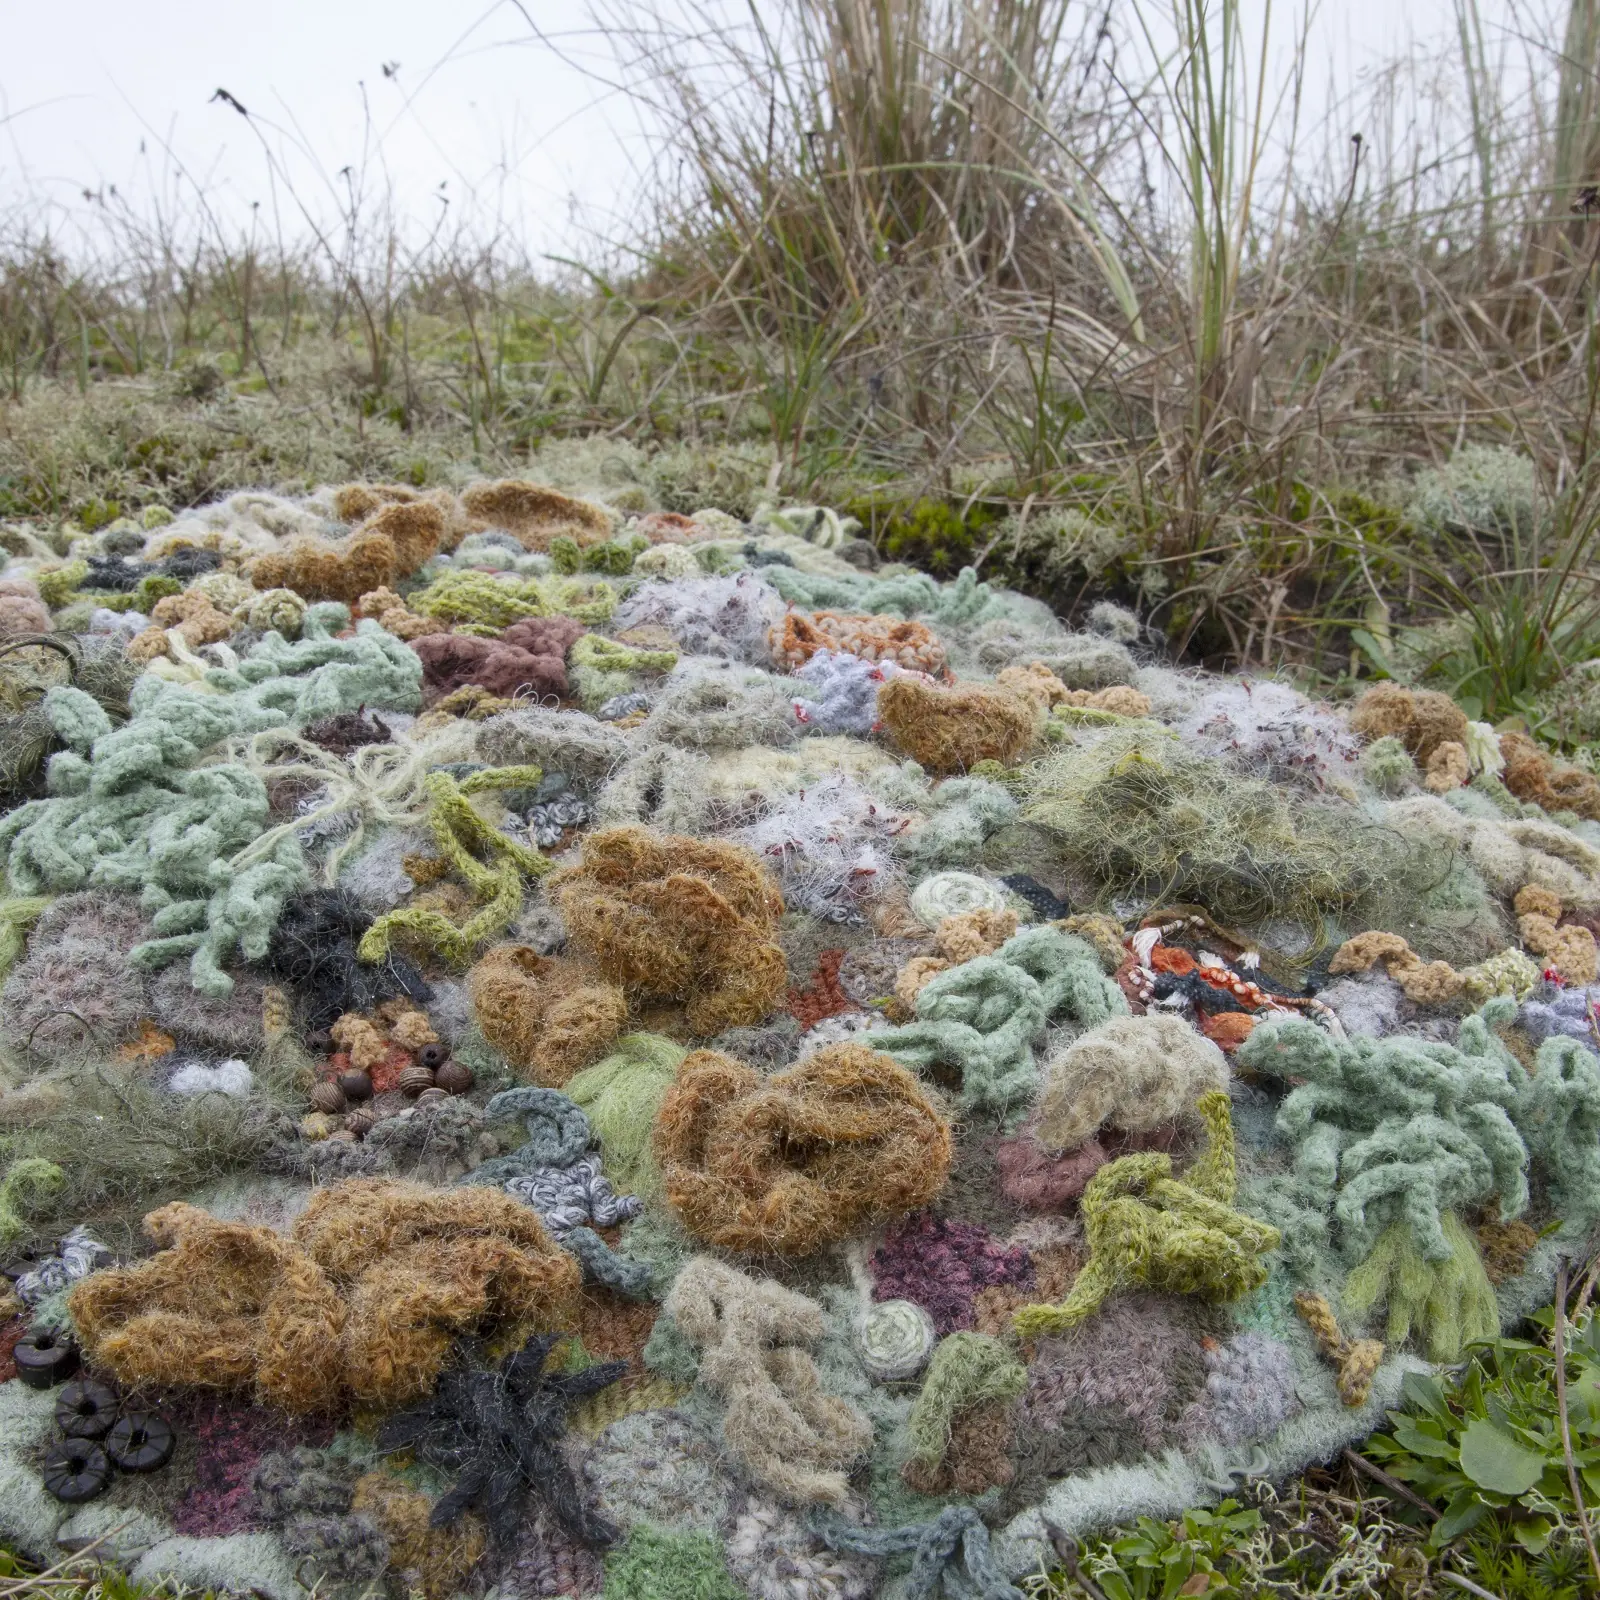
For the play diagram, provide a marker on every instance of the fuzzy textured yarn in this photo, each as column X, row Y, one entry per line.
column 949, row 731
column 1355, row 1360
column 622, row 1096
column 1421, row 719
column 1146, row 1227
column 677, row 918
column 788, row 1434
column 985, row 1016
column 549, row 1017
column 362, row 1299
column 943, row 1266
column 791, row 1163
column 1134, row 1073
column 967, row 1370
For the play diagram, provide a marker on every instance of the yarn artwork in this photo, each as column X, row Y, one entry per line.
column 663, row 1053
column 791, row 1163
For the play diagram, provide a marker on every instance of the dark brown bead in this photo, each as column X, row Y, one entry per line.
column 454, row 1077
column 356, row 1086
column 433, row 1056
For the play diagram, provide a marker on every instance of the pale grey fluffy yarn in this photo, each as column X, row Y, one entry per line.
column 77, row 962
column 714, row 705
column 1138, row 1073
column 772, row 1553
column 450, row 1010
column 585, row 749
column 434, row 1144
column 232, row 1023
column 377, row 877
column 829, row 848
column 658, row 1467
column 1249, row 1391
column 660, row 786
column 1114, row 622
column 1367, row 1004
column 1273, row 732
column 726, row 617
column 1079, row 660
column 961, row 814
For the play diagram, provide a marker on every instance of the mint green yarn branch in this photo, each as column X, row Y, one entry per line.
column 129, row 808
column 912, row 594
column 986, row 1015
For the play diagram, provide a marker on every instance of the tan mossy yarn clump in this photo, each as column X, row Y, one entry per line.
column 787, row 1433
column 1133, row 1073
column 1421, row 719
column 675, row 918
column 1428, row 983
column 949, row 731
column 360, row 1302
column 548, row 1017
column 1037, row 684
column 962, row 937
column 1449, row 767
column 1570, row 950
column 788, row 1164
column 390, row 545
column 195, row 617
column 535, row 515
column 912, row 645
column 1531, row 774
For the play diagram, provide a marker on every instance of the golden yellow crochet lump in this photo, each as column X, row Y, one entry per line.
column 951, row 730
column 674, row 918
column 788, row 1164
column 362, row 1300
column 1570, row 950
column 390, row 545
column 1421, row 719
column 548, row 1017
column 535, row 515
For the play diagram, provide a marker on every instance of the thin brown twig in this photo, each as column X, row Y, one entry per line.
column 1067, row 1549
column 1392, row 1484
column 1561, row 1411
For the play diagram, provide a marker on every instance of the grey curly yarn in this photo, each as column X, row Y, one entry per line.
column 658, row 1467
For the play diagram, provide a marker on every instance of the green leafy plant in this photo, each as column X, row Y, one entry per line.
column 1163, row 1561
column 1488, row 1443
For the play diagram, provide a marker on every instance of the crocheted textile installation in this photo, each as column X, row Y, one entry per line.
column 588, row 1051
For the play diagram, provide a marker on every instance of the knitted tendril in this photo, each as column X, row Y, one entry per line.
column 1390, row 1130
column 1180, row 1235
column 986, row 1015
column 458, row 831
column 787, row 1432
column 967, row 1370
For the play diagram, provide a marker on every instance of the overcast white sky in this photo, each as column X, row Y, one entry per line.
column 96, row 92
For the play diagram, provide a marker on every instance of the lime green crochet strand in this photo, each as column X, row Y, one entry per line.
column 967, row 1370
column 30, row 1179
column 1182, row 1236
column 458, row 831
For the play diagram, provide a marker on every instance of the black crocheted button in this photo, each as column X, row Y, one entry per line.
column 76, row 1470
column 433, row 1056
column 86, row 1409
column 45, row 1359
column 141, row 1442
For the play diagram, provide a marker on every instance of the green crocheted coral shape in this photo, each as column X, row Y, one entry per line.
column 1179, row 1235
column 129, row 808
column 986, row 1015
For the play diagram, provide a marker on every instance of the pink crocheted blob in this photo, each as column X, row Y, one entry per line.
column 232, row 1438
column 941, row 1265
column 1040, row 1179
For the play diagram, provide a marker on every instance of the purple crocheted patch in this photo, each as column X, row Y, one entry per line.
column 942, row 1265
column 232, row 1439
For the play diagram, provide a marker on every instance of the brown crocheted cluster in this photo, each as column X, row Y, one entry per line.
column 1530, row 774
column 676, row 918
column 951, row 730
column 529, row 658
column 787, row 1164
column 361, row 1300
column 908, row 644
column 389, row 545
column 534, row 514
column 1421, row 719
column 548, row 1016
